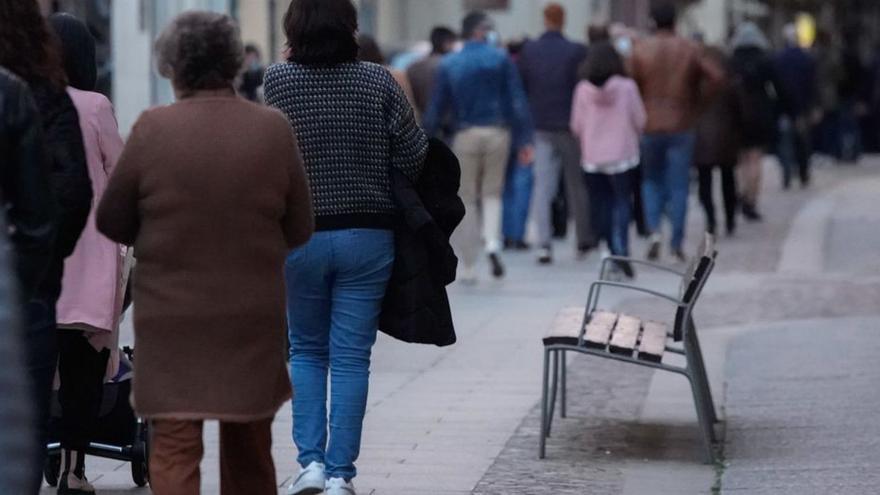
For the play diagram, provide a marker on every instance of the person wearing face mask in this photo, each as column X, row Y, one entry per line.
column 481, row 87
column 91, row 296
column 250, row 83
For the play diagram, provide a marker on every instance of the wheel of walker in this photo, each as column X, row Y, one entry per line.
column 139, row 469
column 51, row 469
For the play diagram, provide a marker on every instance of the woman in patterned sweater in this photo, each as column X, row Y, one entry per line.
column 354, row 125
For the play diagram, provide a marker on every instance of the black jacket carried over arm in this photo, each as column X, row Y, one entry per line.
column 416, row 308
column 69, row 179
column 24, row 183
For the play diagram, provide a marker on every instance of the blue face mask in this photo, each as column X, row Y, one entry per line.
column 493, row 38
column 623, row 46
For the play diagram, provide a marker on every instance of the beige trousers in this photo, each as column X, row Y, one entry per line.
column 483, row 153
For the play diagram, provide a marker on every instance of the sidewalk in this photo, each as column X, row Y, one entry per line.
column 464, row 419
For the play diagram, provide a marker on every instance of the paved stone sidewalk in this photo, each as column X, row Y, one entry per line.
column 464, row 419
column 802, row 420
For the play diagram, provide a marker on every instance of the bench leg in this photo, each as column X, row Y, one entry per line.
column 553, row 389
column 542, row 442
column 562, row 404
column 695, row 360
column 706, row 426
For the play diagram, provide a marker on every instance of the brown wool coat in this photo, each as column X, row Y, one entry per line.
column 212, row 193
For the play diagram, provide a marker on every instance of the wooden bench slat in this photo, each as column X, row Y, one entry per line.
column 599, row 329
column 626, row 334
column 653, row 342
column 566, row 327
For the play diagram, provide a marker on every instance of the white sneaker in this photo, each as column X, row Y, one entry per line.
column 467, row 275
column 310, row 480
column 338, row 486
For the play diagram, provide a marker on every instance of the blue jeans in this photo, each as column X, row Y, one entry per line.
column 611, row 208
column 517, row 196
column 335, row 287
column 666, row 168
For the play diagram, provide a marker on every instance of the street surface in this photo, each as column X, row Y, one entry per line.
column 789, row 324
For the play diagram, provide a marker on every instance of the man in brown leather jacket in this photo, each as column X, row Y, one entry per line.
column 673, row 75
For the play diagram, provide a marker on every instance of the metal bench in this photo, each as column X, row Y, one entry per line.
column 630, row 339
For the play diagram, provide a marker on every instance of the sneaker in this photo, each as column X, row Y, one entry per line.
column 654, row 247
column 626, row 268
column 545, row 256
column 679, row 256
column 310, row 481
column 338, row 486
column 584, row 250
column 751, row 213
column 514, row 245
column 71, row 485
column 467, row 275
column 497, row 266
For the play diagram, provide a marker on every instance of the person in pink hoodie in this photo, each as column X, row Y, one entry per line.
column 608, row 117
column 91, row 297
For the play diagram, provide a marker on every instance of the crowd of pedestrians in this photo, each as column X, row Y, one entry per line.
column 320, row 195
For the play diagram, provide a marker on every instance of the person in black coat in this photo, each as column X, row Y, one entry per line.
column 24, row 183
column 753, row 71
column 27, row 202
column 717, row 146
column 416, row 307
column 34, row 56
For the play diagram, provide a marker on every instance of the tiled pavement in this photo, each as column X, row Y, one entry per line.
column 464, row 419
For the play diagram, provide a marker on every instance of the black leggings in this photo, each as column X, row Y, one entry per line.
column 82, row 370
column 728, row 188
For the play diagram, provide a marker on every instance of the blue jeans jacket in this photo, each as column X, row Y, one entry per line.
column 480, row 86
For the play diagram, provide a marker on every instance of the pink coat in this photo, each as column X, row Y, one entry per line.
column 91, row 295
column 608, row 121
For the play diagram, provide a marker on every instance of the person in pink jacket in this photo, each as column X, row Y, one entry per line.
column 608, row 117
column 91, row 298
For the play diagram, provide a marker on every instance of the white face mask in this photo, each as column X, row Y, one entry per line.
column 623, row 46
column 493, row 38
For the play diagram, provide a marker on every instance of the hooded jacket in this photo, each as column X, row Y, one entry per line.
column 69, row 179
column 91, row 292
column 608, row 121
column 78, row 51
column 759, row 87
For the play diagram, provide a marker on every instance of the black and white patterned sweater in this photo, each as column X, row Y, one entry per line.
column 353, row 123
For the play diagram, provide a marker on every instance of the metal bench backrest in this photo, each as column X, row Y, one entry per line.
column 693, row 281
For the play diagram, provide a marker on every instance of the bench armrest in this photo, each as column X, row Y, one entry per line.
column 657, row 266
column 593, row 298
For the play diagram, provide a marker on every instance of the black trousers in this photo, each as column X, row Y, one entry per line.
column 728, row 188
column 638, row 208
column 42, row 354
column 81, row 369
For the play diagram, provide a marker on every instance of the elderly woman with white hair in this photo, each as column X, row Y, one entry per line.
column 212, row 193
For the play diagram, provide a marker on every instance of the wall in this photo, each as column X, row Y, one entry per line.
column 710, row 18
column 135, row 24
column 131, row 61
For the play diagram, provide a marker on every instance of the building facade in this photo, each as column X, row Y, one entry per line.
column 126, row 28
